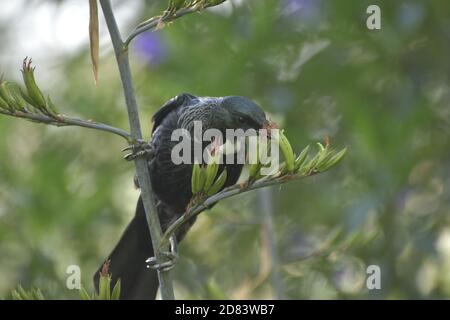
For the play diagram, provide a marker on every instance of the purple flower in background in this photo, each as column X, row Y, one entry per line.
column 150, row 47
column 306, row 9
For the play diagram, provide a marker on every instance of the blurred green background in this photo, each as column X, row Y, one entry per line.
column 66, row 195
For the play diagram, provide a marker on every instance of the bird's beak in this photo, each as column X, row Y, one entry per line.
column 268, row 125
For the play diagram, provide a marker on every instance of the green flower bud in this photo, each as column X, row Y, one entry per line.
column 195, row 178
column 105, row 287
column 115, row 295
column 288, row 154
column 51, row 107
column 332, row 160
column 6, row 95
column 30, row 83
column 301, row 158
column 198, row 179
column 255, row 168
column 218, row 184
column 4, row 105
column 26, row 97
column 19, row 102
column 310, row 166
column 211, row 172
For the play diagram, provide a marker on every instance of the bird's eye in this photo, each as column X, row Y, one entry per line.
column 241, row 120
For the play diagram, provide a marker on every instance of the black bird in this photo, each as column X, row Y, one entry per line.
column 172, row 183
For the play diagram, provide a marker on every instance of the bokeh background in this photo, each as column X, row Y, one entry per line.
column 66, row 195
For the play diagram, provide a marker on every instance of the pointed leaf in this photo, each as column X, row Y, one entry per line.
column 94, row 37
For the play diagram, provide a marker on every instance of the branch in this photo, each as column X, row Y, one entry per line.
column 170, row 15
column 64, row 121
column 30, row 104
column 224, row 194
column 302, row 167
column 142, row 171
column 156, row 22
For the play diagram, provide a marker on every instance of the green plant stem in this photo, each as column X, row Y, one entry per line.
column 142, row 171
column 155, row 22
column 227, row 193
column 64, row 121
column 152, row 23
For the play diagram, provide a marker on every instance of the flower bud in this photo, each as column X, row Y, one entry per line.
column 4, row 105
column 288, row 154
column 218, row 184
column 30, row 83
column 211, row 171
column 195, row 178
column 198, row 179
column 19, row 102
column 6, row 95
column 301, row 158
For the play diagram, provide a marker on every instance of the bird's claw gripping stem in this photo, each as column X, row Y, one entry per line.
column 138, row 149
column 171, row 257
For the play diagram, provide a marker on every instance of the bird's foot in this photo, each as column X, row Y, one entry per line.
column 138, row 149
column 171, row 258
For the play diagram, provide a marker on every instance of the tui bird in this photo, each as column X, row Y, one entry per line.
column 172, row 183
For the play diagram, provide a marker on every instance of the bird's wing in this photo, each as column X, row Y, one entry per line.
column 174, row 103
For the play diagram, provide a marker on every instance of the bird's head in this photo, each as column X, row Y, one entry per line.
column 242, row 113
column 222, row 113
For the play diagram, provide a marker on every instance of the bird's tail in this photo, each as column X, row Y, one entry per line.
column 127, row 261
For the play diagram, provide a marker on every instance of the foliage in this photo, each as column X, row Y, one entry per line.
column 66, row 195
column 103, row 291
column 32, row 294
